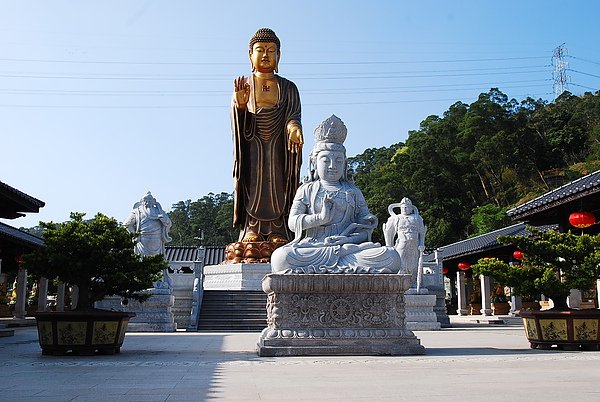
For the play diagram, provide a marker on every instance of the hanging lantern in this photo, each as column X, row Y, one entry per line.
column 445, row 271
column 518, row 255
column 582, row 220
column 19, row 259
column 464, row 266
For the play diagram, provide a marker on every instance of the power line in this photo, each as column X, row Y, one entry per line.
column 581, row 72
column 420, row 76
column 497, row 83
column 585, row 87
column 582, row 59
column 329, row 91
column 208, row 78
column 437, row 71
column 196, row 63
column 54, row 106
column 194, row 76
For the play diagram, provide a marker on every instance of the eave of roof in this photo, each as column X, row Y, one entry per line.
column 14, row 234
column 479, row 243
column 13, row 201
column 576, row 189
column 213, row 255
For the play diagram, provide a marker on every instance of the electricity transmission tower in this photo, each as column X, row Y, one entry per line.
column 561, row 80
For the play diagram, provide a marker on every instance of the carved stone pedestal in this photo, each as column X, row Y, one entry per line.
column 336, row 314
column 235, row 276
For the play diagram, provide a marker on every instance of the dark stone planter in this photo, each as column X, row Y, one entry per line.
column 82, row 332
column 501, row 308
column 532, row 305
column 563, row 329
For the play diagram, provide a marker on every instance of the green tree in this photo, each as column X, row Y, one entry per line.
column 553, row 264
column 376, row 175
column 181, row 230
column 98, row 256
column 487, row 218
column 207, row 221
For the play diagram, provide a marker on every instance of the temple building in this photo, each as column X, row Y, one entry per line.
column 15, row 297
column 574, row 206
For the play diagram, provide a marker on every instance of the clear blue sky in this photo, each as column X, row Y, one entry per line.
column 102, row 101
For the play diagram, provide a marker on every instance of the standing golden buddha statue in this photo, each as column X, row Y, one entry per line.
column 267, row 134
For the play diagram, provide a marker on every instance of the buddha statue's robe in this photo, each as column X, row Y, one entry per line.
column 266, row 174
column 310, row 251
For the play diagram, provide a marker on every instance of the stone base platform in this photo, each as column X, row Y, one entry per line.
column 235, row 276
column 337, row 314
column 153, row 315
column 419, row 312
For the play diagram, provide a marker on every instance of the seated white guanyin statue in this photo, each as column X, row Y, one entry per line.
column 330, row 217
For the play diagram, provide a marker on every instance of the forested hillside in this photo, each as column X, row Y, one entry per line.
column 462, row 170
column 465, row 168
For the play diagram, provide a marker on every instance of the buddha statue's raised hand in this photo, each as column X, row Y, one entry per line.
column 242, row 92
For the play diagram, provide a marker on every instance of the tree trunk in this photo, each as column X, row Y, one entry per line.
column 83, row 301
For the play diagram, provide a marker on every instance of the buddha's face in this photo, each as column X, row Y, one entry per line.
column 264, row 56
column 406, row 209
column 331, row 165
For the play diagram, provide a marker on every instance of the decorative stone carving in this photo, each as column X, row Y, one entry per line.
column 324, row 314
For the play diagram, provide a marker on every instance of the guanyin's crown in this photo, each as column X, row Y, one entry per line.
column 331, row 130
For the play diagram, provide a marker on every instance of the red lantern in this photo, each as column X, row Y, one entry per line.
column 464, row 266
column 518, row 255
column 445, row 271
column 582, row 220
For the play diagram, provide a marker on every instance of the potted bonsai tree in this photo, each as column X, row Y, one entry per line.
column 499, row 301
column 98, row 257
column 553, row 264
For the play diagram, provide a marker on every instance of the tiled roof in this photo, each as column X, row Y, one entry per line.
column 13, row 201
column 573, row 190
column 484, row 242
column 181, row 253
column 479, row 243
column 213, row 255
column 11, row 233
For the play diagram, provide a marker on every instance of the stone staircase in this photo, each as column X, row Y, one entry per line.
column 233, row 310
column 4, row 331
column 182, row 307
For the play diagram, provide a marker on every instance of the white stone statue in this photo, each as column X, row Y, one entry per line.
column 408, row 230
column 330, row 218
column 152, row 223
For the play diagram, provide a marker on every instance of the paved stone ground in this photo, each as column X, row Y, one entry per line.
column 463, row 363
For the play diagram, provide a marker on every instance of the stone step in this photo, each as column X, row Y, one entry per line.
column 253, row 325
column 231, row 302
column 232, row 298
column 4, row 331
column 233, row 310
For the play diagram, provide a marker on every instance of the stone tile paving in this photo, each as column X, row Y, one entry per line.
column 492, row 363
